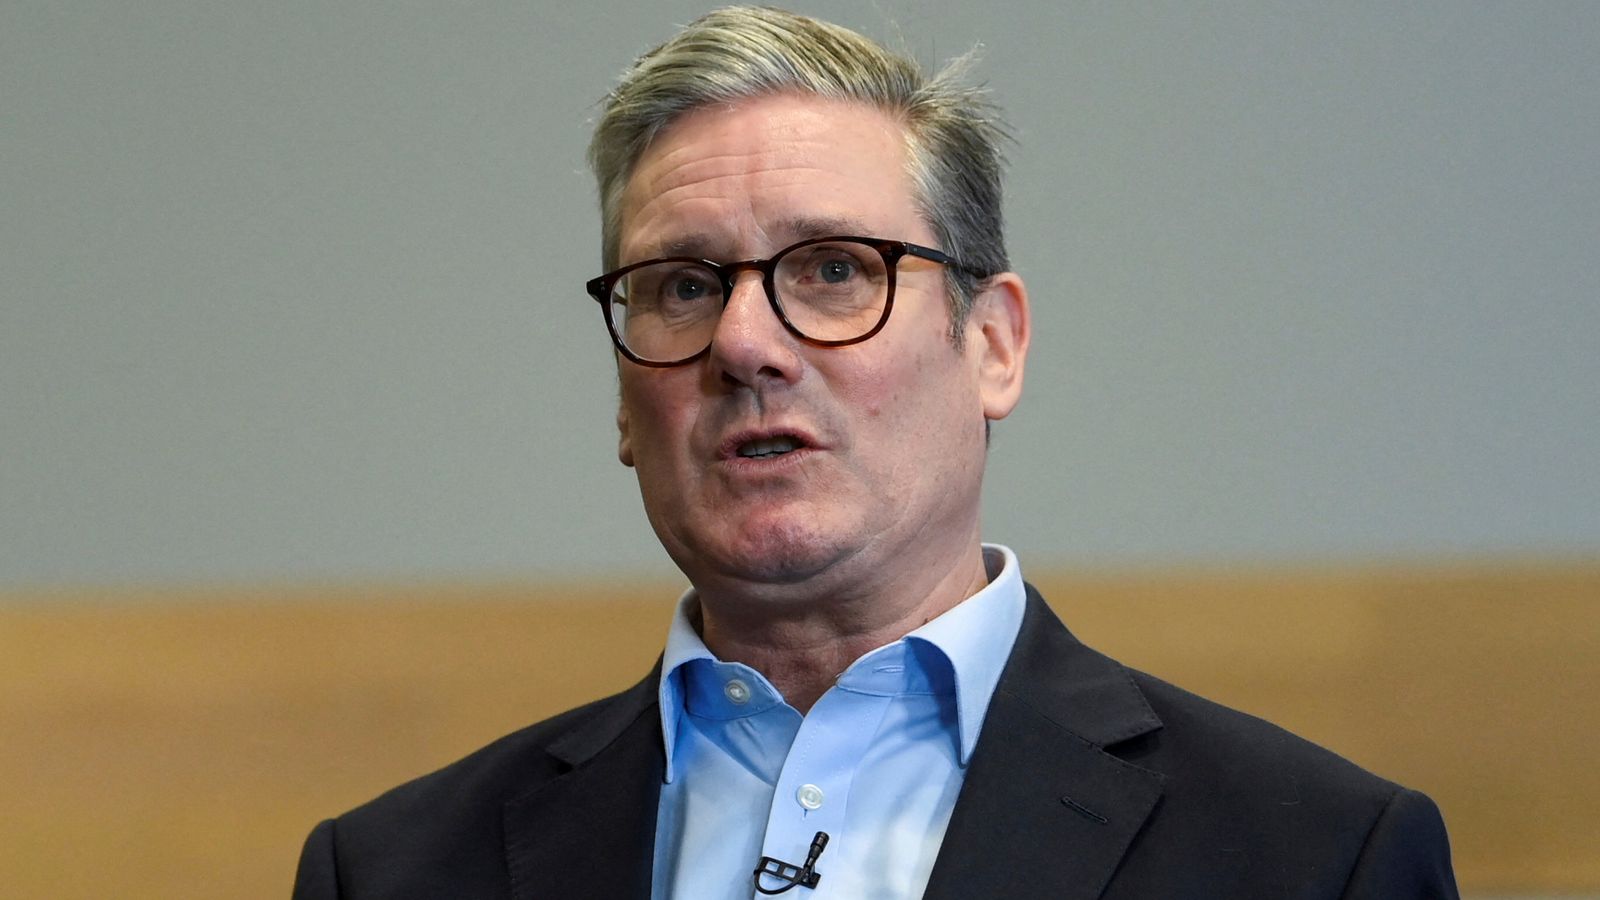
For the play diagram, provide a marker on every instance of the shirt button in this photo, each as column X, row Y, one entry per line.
column 738, row 692
column 810, row 796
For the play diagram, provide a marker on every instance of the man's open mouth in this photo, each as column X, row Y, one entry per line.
column 767, row 448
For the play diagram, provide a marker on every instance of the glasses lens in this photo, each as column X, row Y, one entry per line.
column 833, row 290
column 666, row 311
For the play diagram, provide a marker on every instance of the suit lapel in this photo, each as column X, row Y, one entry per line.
column 1045, row 811
column 590, row 832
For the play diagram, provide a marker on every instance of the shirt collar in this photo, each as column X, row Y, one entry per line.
column 976, row 637
column 683, row 647
column 973, row 638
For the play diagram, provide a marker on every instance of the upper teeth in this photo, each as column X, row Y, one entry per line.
column 768, row 446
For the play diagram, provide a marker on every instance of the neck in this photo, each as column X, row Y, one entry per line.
column 802, row 644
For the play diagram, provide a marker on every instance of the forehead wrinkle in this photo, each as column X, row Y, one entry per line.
column 782, row 145
column 692, row 193
column 693, row 173
column 730, row 188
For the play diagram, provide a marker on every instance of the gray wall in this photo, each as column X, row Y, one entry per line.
column 293, row 290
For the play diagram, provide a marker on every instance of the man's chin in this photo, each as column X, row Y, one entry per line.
column 776, row 554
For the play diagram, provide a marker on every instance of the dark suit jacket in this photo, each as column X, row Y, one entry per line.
column 1089, row 780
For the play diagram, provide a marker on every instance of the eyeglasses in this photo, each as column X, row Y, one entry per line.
column 827, row 291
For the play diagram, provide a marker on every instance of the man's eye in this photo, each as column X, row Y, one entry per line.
column 836, row 271
column 688, row 289
column 684, row 287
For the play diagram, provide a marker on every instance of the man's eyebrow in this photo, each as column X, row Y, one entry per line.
column 803, row 228
column 702, row 245
column 695, row 244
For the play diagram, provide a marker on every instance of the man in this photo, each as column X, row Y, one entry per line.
column 808, row 293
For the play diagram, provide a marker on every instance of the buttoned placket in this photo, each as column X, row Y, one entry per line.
column 813, row 791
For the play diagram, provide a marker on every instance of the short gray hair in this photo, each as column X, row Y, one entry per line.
column 953, row 132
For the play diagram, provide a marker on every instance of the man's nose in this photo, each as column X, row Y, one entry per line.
column 750, row 339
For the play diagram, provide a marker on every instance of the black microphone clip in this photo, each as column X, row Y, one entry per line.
column 795, row 876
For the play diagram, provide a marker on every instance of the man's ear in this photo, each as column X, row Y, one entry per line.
column 998, row 329
column 624, row 442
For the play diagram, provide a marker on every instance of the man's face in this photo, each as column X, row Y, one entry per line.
column 884, row 439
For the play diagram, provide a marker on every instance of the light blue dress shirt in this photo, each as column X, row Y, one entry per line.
column 877, row 762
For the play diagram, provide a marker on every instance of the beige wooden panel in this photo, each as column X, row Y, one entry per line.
column 182, row 743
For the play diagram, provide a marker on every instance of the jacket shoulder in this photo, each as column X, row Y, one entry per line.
column 445, row 830
column 500, row 769
column 1228, row 742
column 1243, row 793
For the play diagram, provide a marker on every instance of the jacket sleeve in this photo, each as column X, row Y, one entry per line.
column 1406, row 854
column 318, row 875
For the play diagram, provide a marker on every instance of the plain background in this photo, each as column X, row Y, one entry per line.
column 293, row 291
